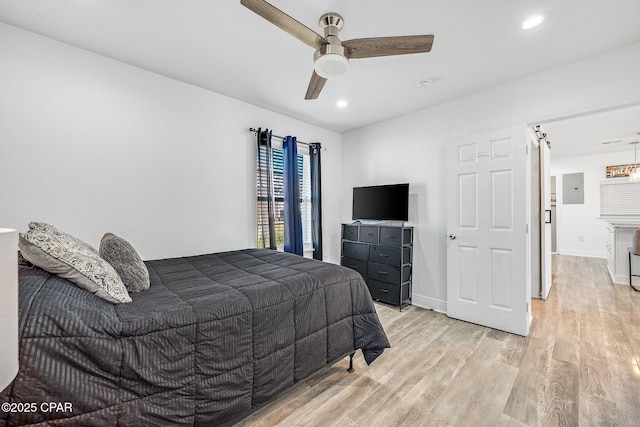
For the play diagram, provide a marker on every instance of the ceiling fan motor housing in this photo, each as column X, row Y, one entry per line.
column 331, row 23
column 330, row 60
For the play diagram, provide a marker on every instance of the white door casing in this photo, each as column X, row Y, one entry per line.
column 535, row 218
column 488, row 281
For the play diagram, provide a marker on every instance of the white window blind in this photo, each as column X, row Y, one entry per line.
column 304, row 171
column 619, row 198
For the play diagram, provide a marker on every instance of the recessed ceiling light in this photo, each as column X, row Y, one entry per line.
column 532, row 22
column 342, row 103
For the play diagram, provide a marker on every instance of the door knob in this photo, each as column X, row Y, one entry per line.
column 452, row 236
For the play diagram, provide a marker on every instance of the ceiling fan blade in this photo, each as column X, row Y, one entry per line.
column 285, row 22
column 315, row 86
column 387, row 46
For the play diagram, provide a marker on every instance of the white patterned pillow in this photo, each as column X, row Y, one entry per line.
column 66, row 256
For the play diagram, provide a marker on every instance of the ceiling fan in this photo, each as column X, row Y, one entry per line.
column 331, row 58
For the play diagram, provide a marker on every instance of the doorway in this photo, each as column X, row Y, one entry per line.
column 587, row 144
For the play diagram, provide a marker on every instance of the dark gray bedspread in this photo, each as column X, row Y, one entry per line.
column 215, row 336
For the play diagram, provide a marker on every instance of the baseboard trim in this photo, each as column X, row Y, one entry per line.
column 588, row 254
column 429, row 303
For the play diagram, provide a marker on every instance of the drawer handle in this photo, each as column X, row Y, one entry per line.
column 389, row 237
column 386, row 291
column 383, row 272
column 355, row 267
column 370, row 234
column 384, row 255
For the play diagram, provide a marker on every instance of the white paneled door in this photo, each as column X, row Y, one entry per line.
column 487, row 251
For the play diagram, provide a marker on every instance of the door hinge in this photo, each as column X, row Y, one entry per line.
column 527, row 307
column 527, row 229
column 526, row 149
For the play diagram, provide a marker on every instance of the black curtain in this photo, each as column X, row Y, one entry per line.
column 266, row 201
column 316, row 199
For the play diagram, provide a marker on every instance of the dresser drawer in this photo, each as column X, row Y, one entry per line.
column 396, row 236
column 355, row 264
column 385, row 292
column 355, row 250
column 390, row 255
column 389, row 273
column 350, row 232
column 391, row 236
column 369, row 234
column 384, row 272
column 385, row 254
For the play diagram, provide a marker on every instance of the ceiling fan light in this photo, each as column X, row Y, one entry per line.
column 331, row 65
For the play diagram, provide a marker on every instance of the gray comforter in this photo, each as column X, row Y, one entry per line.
column 214, row 337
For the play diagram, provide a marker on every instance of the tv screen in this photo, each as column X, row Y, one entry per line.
column 381, row 202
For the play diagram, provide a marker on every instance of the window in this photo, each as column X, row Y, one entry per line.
column 619, row 197
column 304, row 171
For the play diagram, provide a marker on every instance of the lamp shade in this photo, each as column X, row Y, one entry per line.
column 8, row 306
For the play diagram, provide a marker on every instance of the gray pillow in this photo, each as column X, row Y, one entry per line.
column 66, row 256
column 126, row 261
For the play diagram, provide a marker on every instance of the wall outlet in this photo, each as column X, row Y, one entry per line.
column 581, row 238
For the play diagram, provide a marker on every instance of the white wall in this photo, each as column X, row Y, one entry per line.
column 580, row 231
column 92, row 145
column 412, row 148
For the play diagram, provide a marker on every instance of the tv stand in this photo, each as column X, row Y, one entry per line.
column 382, row 254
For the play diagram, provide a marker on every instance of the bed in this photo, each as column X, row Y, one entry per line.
column 214, row 337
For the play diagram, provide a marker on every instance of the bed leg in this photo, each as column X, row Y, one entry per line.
column 350, row 370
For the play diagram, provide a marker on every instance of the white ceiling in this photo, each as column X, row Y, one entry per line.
column 602, row 132
column 223, row 46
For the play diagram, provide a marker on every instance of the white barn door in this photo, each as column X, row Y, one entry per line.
column 488, row 281
column 545, row 235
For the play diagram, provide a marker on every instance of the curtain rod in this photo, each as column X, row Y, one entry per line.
column 281, row 137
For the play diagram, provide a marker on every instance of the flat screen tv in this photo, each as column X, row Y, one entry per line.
column 381, row 202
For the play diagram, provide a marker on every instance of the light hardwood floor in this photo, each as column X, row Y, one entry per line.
column 578, row 366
